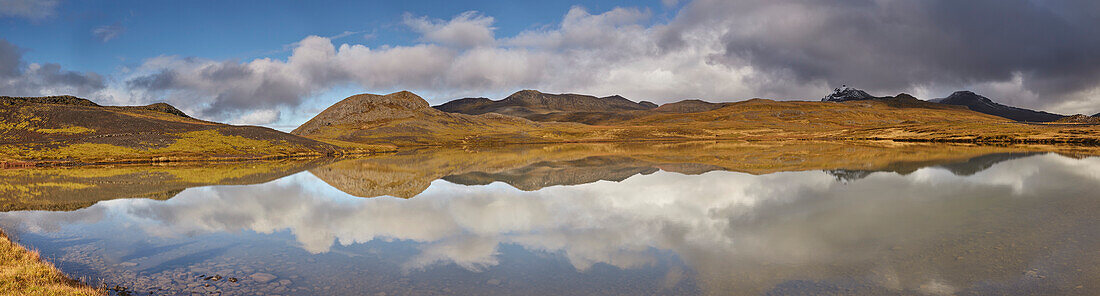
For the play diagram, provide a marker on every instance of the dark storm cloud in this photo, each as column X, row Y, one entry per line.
column 20, row 79
column 897, row 44
column 10, row 56
column 230, row 86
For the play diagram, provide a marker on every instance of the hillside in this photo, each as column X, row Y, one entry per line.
column 66, row 129
column 982, row 104
column 403, row 119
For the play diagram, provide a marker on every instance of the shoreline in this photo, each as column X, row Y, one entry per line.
column 26, row 273
column 1053, row 144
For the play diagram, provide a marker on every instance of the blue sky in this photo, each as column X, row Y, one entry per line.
column 278, row 63
column 244, row 30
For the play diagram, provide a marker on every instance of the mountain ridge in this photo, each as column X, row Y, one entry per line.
column 539, row 106
column 982, row 104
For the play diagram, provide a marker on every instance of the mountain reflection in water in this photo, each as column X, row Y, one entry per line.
column 990, row 222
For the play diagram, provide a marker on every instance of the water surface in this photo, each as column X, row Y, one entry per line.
column 568, row 221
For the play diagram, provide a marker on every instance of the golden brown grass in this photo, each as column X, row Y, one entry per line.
column 199, row 145
column 22, row 272
column 752, row 120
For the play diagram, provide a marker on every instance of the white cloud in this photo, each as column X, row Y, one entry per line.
column 108, row 32
column 714, row 50
column 724, row 225
column 257, row 117
column 29, row 9
column 469, row 29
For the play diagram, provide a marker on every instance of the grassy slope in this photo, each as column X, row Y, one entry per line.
column 42, row 132
column 22, row 272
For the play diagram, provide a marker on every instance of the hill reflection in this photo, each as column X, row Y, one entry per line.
column 1025, row 225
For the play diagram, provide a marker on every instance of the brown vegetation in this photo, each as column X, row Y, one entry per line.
column 22, row 272
column 72, row 130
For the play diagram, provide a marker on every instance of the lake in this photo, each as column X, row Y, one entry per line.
column 616, row 219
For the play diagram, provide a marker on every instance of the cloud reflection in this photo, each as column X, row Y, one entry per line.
column 738, row 231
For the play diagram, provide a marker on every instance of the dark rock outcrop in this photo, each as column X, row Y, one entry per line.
column 1079, row 119
column 161, row 107
column 59, row 100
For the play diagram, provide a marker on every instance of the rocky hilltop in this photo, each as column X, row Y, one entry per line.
column 365, row 110
column 1079, row 119
column 982, row 104
column 846, row 93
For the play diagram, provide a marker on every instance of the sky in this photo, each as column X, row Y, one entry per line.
column 278, row 63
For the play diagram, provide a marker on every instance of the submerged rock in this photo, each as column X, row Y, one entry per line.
column 261, row 277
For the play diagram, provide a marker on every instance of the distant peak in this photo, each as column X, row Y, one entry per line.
column 967, row 95
column 846, row 93
column 905, row 96
column 402, row 99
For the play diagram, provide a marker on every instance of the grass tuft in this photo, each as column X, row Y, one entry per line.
column 22, row 272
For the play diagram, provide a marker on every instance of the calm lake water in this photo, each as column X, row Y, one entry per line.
column 998, row 223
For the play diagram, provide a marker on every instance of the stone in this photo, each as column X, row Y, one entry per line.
column 493, row 282
column 261, row 277
column 128, row 264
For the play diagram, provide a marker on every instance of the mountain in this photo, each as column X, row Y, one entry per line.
column 846, row 93
column 539, row 106
column 403, row 118
column 71, row 129
column 982, row 104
